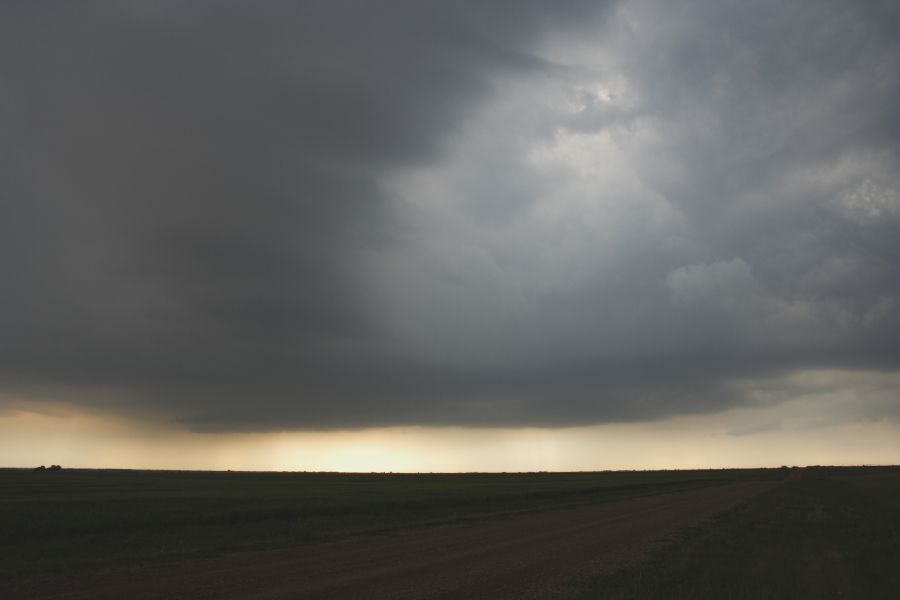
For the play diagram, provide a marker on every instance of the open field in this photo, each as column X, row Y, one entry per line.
column 820, row 532
column 76, row 521
column 523, row 557
column 831, row 532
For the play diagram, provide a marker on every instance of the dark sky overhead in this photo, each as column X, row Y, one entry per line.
column 255, row 216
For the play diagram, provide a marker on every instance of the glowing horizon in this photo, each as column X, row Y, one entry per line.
column 76, row 438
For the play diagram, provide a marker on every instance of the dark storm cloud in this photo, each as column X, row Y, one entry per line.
column 217, row 210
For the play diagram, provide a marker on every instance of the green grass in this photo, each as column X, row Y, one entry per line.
column 830, row 533
column 74, row 521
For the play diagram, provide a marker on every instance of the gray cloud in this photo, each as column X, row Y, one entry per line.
column 330, row 215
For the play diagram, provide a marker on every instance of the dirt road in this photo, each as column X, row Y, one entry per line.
column 530, row 556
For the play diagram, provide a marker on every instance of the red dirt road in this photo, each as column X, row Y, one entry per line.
column 531, row 556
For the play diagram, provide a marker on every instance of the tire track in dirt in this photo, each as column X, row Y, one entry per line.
column 528, row 556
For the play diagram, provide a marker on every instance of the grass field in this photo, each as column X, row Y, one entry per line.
column 829, row 532
column 77, row 520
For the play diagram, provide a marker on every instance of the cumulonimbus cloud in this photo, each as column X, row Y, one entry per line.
column 311, row 216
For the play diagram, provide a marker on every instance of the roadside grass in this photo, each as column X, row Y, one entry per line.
column 72, row 521
column 829, row 532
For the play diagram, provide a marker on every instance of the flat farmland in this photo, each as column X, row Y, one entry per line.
column 73, row 522
column 826, row 532
column 816, row 532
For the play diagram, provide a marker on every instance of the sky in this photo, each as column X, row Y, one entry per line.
column 449, row 236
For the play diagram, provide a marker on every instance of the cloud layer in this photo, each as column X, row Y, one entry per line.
column 335, row 216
